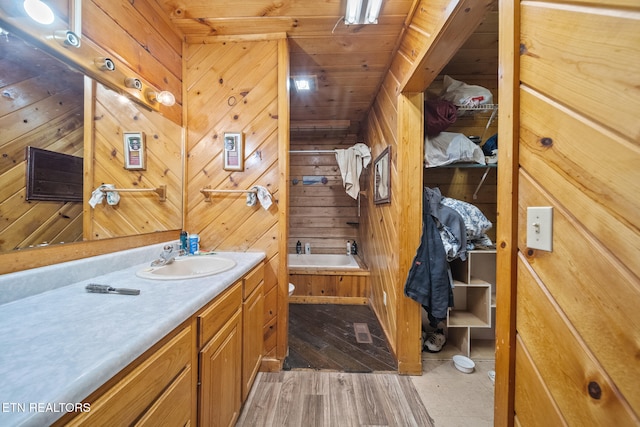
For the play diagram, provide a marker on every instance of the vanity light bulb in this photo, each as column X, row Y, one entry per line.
column 39, row 11
column 166, row 98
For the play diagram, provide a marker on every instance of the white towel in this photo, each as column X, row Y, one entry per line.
column 351, row 162
column 113, row 197
column 263, row 196
column 252, row 199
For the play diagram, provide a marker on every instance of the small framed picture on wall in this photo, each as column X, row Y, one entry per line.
column 134, row 151
column 233, row 151
column 382, row 177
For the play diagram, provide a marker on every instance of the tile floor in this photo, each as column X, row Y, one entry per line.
column 453, row 398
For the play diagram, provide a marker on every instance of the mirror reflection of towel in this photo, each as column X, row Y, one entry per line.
column 351, row 162
column 113, row 197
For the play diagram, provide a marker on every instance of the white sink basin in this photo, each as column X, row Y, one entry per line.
column 188, row 268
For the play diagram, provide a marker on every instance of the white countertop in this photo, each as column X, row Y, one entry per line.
column 59, row 346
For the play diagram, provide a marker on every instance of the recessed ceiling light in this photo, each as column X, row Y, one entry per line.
column 304, row 83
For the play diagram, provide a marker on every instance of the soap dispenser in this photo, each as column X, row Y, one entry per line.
column 354, row 248
column 299, row 247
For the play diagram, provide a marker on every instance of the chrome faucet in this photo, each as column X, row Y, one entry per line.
column 167, row 256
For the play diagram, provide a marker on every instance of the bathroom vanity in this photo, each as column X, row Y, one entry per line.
column 182, row 352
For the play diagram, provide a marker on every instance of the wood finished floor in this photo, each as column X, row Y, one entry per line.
column 312, row 398
column 322, row 336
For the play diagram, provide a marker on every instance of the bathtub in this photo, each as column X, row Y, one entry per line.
column 329, row 261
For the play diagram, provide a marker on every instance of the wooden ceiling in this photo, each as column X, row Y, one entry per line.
column 348, row 62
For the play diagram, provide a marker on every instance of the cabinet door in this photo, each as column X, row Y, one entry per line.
column 220, row 375
column 252, row 343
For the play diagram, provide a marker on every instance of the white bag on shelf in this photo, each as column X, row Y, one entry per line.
column 450, row 147
column 465, row 95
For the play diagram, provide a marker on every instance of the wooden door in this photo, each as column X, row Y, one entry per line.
column 220, row 376
column 252, row 342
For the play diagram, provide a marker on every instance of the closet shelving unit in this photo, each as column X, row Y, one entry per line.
column 486, row 108
column 471, row 321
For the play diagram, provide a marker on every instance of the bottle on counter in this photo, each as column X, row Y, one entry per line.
column 354, row 248
column 348, row 247
column 299, row 247
column 184, row 239
column 194, row 244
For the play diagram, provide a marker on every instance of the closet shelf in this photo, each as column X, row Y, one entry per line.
column 484, row 107
column 458, row 318
column 465, row 166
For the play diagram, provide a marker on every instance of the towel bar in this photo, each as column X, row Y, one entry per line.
column 161, row 191
column 207, row 190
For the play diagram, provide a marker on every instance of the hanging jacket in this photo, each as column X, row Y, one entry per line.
column 428, row 280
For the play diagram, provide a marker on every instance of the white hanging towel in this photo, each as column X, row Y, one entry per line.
column 113, row 197
column 264, row 197
column 351, row 162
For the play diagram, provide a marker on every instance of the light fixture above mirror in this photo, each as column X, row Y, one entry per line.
column 133, row 83
column 67, row 38
column 164, row 97
column 104, row 64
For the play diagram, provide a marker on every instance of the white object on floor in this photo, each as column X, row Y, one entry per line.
column 492, row 376
column 463, row 363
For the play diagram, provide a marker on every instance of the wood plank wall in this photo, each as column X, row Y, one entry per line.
column 41, row 107
column 232, row 86
column 391, row 233
column 577, row 312
column 141, row 36
column 137, row 213
column 323, row 215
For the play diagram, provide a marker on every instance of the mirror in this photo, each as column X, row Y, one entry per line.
column 42, row 105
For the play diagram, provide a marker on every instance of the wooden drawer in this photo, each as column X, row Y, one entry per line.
column 173, row 408
column 129, row 398
column 218, row 312
column 252, row 280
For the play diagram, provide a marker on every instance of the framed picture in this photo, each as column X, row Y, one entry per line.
column 134, row 151
column 382, row 177
column 233, row 152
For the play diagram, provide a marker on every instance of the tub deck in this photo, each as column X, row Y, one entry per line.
column 317, row 284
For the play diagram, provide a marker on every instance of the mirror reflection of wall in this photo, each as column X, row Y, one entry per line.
column 136, row 213
column 41, row 105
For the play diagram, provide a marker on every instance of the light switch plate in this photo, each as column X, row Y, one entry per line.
column 540, row 228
